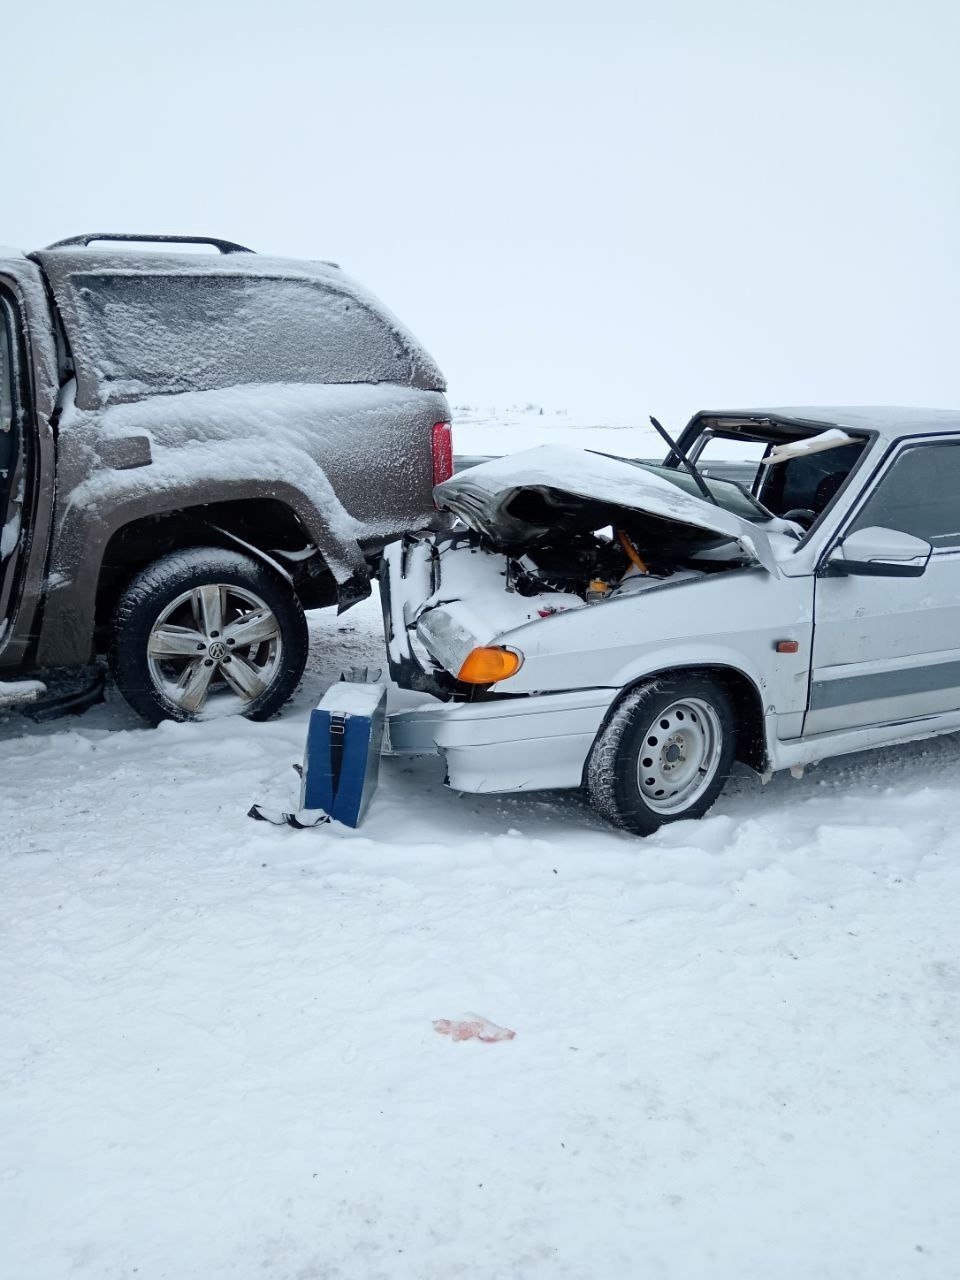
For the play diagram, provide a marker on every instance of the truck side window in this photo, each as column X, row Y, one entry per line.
column 920, row 494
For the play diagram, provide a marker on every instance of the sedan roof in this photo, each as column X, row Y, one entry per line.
column 887, row 421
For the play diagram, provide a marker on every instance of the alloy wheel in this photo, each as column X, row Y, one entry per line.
column 218, row 644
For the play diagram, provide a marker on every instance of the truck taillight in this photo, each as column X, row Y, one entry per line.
column 442, row 452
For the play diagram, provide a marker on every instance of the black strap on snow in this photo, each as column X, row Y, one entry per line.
column 301, row 821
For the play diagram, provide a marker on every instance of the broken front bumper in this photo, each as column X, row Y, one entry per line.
column 525, row 743
column 528, row 743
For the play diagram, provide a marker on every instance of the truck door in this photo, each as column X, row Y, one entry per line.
column 888, row 648
column 12, row 475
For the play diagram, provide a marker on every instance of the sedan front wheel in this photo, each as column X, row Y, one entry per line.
column 664, row 754
column 207, row 632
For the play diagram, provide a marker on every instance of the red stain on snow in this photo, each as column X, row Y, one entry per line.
column 472, row 1027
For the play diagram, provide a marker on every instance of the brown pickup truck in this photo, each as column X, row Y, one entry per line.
column 194, row 448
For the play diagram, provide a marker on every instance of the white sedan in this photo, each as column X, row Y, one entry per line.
column 636, row 628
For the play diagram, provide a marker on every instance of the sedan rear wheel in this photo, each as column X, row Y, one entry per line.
column 208, row 632
column 664, row 754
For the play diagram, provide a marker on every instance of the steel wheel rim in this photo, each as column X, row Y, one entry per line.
column 216, row 647
column 679, row 755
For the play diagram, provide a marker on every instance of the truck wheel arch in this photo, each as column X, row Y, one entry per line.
column 81, row 594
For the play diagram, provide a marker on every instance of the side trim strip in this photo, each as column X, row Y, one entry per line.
column 884, row 684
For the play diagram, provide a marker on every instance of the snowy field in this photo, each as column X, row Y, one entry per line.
column 481, row 430
column 736, row 1048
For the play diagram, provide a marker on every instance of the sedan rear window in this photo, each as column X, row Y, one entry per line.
column 150, row 333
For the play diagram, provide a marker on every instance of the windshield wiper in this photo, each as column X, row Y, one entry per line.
column 678, row 452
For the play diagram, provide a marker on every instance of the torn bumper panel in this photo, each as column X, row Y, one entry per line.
column 444, row 597
column 405, row 581
column 536, row 742
column 525, row 743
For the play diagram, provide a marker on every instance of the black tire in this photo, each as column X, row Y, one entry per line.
column 160, row 585
column 629, row 774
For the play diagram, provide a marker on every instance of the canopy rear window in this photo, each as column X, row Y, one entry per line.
column 148, row 333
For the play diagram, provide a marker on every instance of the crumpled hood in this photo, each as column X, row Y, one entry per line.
column 522, row 497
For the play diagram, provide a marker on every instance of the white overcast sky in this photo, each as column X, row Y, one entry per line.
column 615, row 208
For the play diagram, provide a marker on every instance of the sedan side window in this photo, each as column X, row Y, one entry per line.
column 920, row 495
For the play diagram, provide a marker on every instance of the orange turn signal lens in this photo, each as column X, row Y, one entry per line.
column 487, row 666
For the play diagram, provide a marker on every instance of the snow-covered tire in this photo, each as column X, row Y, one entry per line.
column 232, row 621
column 664, row 754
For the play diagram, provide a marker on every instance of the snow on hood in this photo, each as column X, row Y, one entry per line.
column 485, row 498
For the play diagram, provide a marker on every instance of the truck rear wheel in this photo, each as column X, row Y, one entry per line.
column 205, row 632
column 665, row 753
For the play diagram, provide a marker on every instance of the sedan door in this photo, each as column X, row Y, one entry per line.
column 887, row 648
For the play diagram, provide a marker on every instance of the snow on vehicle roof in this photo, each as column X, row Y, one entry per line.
column 171, row 262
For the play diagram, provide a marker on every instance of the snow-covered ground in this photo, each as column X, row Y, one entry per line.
column 736, row 1047
column 486, row 430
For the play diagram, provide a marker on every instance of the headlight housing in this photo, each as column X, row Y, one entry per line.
column 489, row 664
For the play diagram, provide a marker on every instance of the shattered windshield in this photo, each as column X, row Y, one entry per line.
column 730, row 495
column 782, row 469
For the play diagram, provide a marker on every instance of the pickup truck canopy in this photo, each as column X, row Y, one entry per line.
column 149, row 323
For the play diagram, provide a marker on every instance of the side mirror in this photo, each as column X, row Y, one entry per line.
column 880, row 553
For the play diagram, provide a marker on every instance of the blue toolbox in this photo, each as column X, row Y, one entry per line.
column 341, row 764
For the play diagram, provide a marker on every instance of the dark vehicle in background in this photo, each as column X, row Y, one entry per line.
column 194, row 448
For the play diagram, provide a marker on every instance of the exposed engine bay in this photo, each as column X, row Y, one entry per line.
column 557, row 541
column 601, row 563
column 584, row 564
